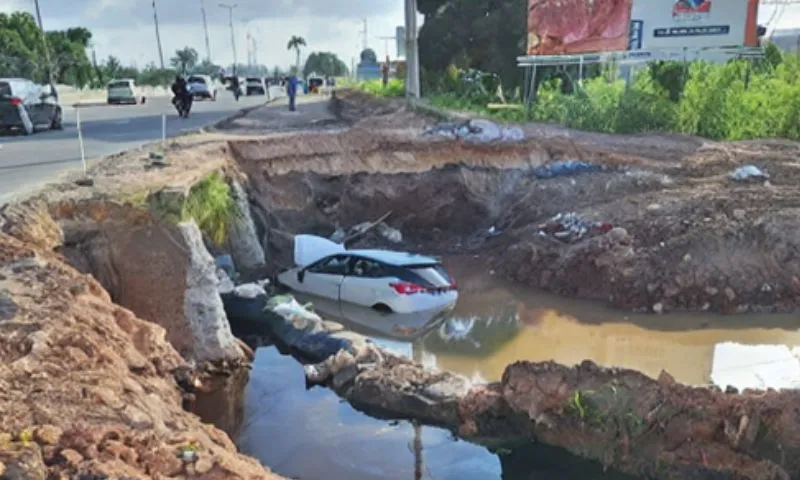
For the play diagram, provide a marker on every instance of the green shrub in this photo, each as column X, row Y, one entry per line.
column 212, row 207
column 731, row 101
column 395, row 88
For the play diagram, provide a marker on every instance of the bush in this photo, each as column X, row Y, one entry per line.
column 732, row 101
column 212, row 207
column 395, row 88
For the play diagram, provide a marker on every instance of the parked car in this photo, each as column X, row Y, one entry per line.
column 26, row 106
column 202, row 86
column 255, row 86
column 124, row 91
column 384, row 280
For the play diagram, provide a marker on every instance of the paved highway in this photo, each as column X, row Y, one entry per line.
column 27, row 162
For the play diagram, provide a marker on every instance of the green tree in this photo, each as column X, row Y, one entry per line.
column 368, row 56
column 294, row 43
column 324, row 63
column 184, row 60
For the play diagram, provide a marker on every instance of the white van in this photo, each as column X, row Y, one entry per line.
column 123, row 91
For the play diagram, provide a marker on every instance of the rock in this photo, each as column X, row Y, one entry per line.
column 687, row 258
column 618, row 234
column 23, row 462
column 213, row 340
column 8, row 309
column 162, row 461
column 47, row 434
column 739, row 214
column 203, row 465
column 72, row 457
column 712, row 291
column 243, row 238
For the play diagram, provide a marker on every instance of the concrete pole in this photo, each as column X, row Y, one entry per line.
column 233, row 34
column 158, row 37
column 205, row 29
column 412, row 53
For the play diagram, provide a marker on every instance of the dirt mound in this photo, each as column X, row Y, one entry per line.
column 690, row 237
column 86, row 388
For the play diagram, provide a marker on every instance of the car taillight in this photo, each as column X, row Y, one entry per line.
column 16, row 101
column 408, row 288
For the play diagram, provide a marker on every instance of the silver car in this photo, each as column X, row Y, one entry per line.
column 26, row 106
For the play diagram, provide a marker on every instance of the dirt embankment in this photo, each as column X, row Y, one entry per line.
column 87, row 389
column 689, row 238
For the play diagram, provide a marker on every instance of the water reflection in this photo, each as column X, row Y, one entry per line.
column 314, row 435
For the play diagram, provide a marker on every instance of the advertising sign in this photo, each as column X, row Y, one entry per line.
column 558, row 27
column 695, row 24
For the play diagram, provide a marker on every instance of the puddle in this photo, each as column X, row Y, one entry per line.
column 496, row 323
column 315, row 435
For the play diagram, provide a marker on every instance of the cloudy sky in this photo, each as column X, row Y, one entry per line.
column 124, row 28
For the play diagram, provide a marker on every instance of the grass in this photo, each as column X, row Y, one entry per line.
column 395, row 88
column 211, row 205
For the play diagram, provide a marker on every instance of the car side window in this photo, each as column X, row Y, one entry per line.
column 366, row 268
column 332, row 266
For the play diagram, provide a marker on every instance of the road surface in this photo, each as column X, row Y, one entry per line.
column 27, row 162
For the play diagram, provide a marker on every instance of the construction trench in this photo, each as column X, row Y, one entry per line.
column 647, row 224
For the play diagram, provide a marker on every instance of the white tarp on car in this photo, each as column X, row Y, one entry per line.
column 310, row 248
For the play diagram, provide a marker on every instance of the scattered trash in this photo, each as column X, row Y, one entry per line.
column 249, row 290
column 563, row 168
column 570, row 227
column 476, row 131
column 156, row 159
column 287, row 307
column 225, row 262
column 749, row 172
column 392, row 234
column 226, row 285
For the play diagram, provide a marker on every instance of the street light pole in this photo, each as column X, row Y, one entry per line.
column 233, row 35
column 158, row 37
column 49, row 71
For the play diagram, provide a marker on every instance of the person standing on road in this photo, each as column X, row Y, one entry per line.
column 291, row 90
column 385, row 72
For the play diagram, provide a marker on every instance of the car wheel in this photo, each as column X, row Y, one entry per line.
column 57, row 124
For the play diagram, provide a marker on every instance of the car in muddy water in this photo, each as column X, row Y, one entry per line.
column 384, row 280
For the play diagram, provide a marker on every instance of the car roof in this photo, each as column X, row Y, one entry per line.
column 398, row 259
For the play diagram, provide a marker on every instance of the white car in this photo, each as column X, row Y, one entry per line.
column 202, row 86
column 123, row 91
column 387, row 281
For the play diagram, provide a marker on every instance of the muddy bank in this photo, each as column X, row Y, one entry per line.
column 87, row 388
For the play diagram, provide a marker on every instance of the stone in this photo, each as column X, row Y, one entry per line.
column 213, row 339
column 163, row 461
column 730, row 293
column 712, row 291
column 72, row 457
column 47, row 434
column 739, row 214
column 243, row 237
column 203, row 465
column 687, row 258
column 23, row 462
column 8, row 309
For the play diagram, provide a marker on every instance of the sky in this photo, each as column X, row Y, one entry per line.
column 124, row 28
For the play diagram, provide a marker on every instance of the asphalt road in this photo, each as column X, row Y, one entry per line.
column 27, row 162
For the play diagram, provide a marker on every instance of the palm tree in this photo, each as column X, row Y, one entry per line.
column 185, row 59
column 294, row 44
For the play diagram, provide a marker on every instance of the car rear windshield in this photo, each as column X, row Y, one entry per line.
column 433, row 274
column 5, row 90
column 254, row 80
column 196, row 80
column 121, row 84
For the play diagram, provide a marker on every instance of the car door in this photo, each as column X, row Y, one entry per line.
column 47, row 104
column 361, row 285
column 324, row 278
column 30, row 102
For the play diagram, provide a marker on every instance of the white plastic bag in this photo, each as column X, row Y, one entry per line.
column 287, row 307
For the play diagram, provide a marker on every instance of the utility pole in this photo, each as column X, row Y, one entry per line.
column 158, row 37
column 412, row 53
column 233, row 35
column 364, row 34
column 205, row 28
column 49, row 69
column 249, row 44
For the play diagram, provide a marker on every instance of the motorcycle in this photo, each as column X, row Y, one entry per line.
column 183, row 105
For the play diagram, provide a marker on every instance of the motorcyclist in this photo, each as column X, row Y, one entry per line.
column 180, row 90
column 235, row 87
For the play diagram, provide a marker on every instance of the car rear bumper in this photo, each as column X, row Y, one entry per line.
column 424, row 302
column 14, row 116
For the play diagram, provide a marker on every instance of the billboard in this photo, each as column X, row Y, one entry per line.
column 695, row 23
column 564, row 27
column 558, row 27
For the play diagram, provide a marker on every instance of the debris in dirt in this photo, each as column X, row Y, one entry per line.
column 155, row 160
column 358, row 231
column 570, row 227
column 749, row 172
column 476, row 131
column 563, row 168
column 339, row 235
column 226, row 285
column 392, row 234
column 84, row 182
column 225, row 262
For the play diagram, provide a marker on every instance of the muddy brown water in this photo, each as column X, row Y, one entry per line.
column 312, row 434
